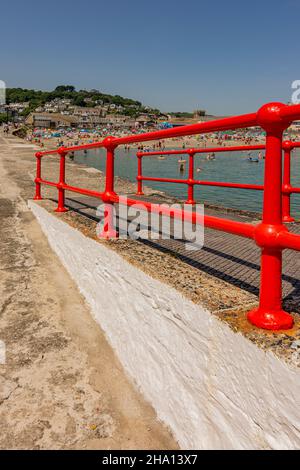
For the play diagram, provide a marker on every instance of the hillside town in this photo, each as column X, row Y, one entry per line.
column 68, row 117
column 64, row 109
column 60, row 113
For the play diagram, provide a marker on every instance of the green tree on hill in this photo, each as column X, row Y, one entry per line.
column 63, row 88
column 37, row 98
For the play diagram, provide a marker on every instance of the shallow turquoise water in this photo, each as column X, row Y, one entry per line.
column 228, row 166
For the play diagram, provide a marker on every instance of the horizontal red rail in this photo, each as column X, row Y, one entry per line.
column 257, row 187
column 75, row 189
column 289, row 240
column 162, row 180
column 203, row 183
column 233, row 148
column 48, row 183
column 231, row 226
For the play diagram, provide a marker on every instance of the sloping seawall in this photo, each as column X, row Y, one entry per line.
column 213, row 387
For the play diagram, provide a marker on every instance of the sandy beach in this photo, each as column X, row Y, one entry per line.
column 181, row 143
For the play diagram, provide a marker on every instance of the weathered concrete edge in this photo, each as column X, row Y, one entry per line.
column 211, row 386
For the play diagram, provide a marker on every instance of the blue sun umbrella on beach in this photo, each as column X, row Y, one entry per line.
column 165, row 125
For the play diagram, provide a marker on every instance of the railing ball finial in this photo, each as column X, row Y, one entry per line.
column 287, row 145
column 62, row 151
column 269, row 117
column 109, row 142
column 267, row 235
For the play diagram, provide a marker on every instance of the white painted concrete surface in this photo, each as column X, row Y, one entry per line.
column 211, row 386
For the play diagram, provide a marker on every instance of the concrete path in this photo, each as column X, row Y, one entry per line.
column 61, row 386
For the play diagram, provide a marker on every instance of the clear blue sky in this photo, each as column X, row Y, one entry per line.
column 224, row 56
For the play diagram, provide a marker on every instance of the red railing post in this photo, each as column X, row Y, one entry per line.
column 269, row 314
column 286, row 189
column 109, row 230
column 61, row 192
column 190, row 199
column 139, row 176
column 37, row 180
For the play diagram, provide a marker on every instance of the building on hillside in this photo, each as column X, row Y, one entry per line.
column 88, row 119
column 145, row 120
column 18, row 107
column 51, row 120
column 120, row 121
column 86, row 111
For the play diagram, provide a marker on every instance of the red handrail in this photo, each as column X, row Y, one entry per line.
column 191, row 182
column 270, row 235
column 287, row 189
column 232, row 148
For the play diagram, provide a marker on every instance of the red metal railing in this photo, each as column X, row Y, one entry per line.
column 190, row 181
column 270, row 235
column 287, row 189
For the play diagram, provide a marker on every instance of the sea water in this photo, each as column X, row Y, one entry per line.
column 227, row 167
